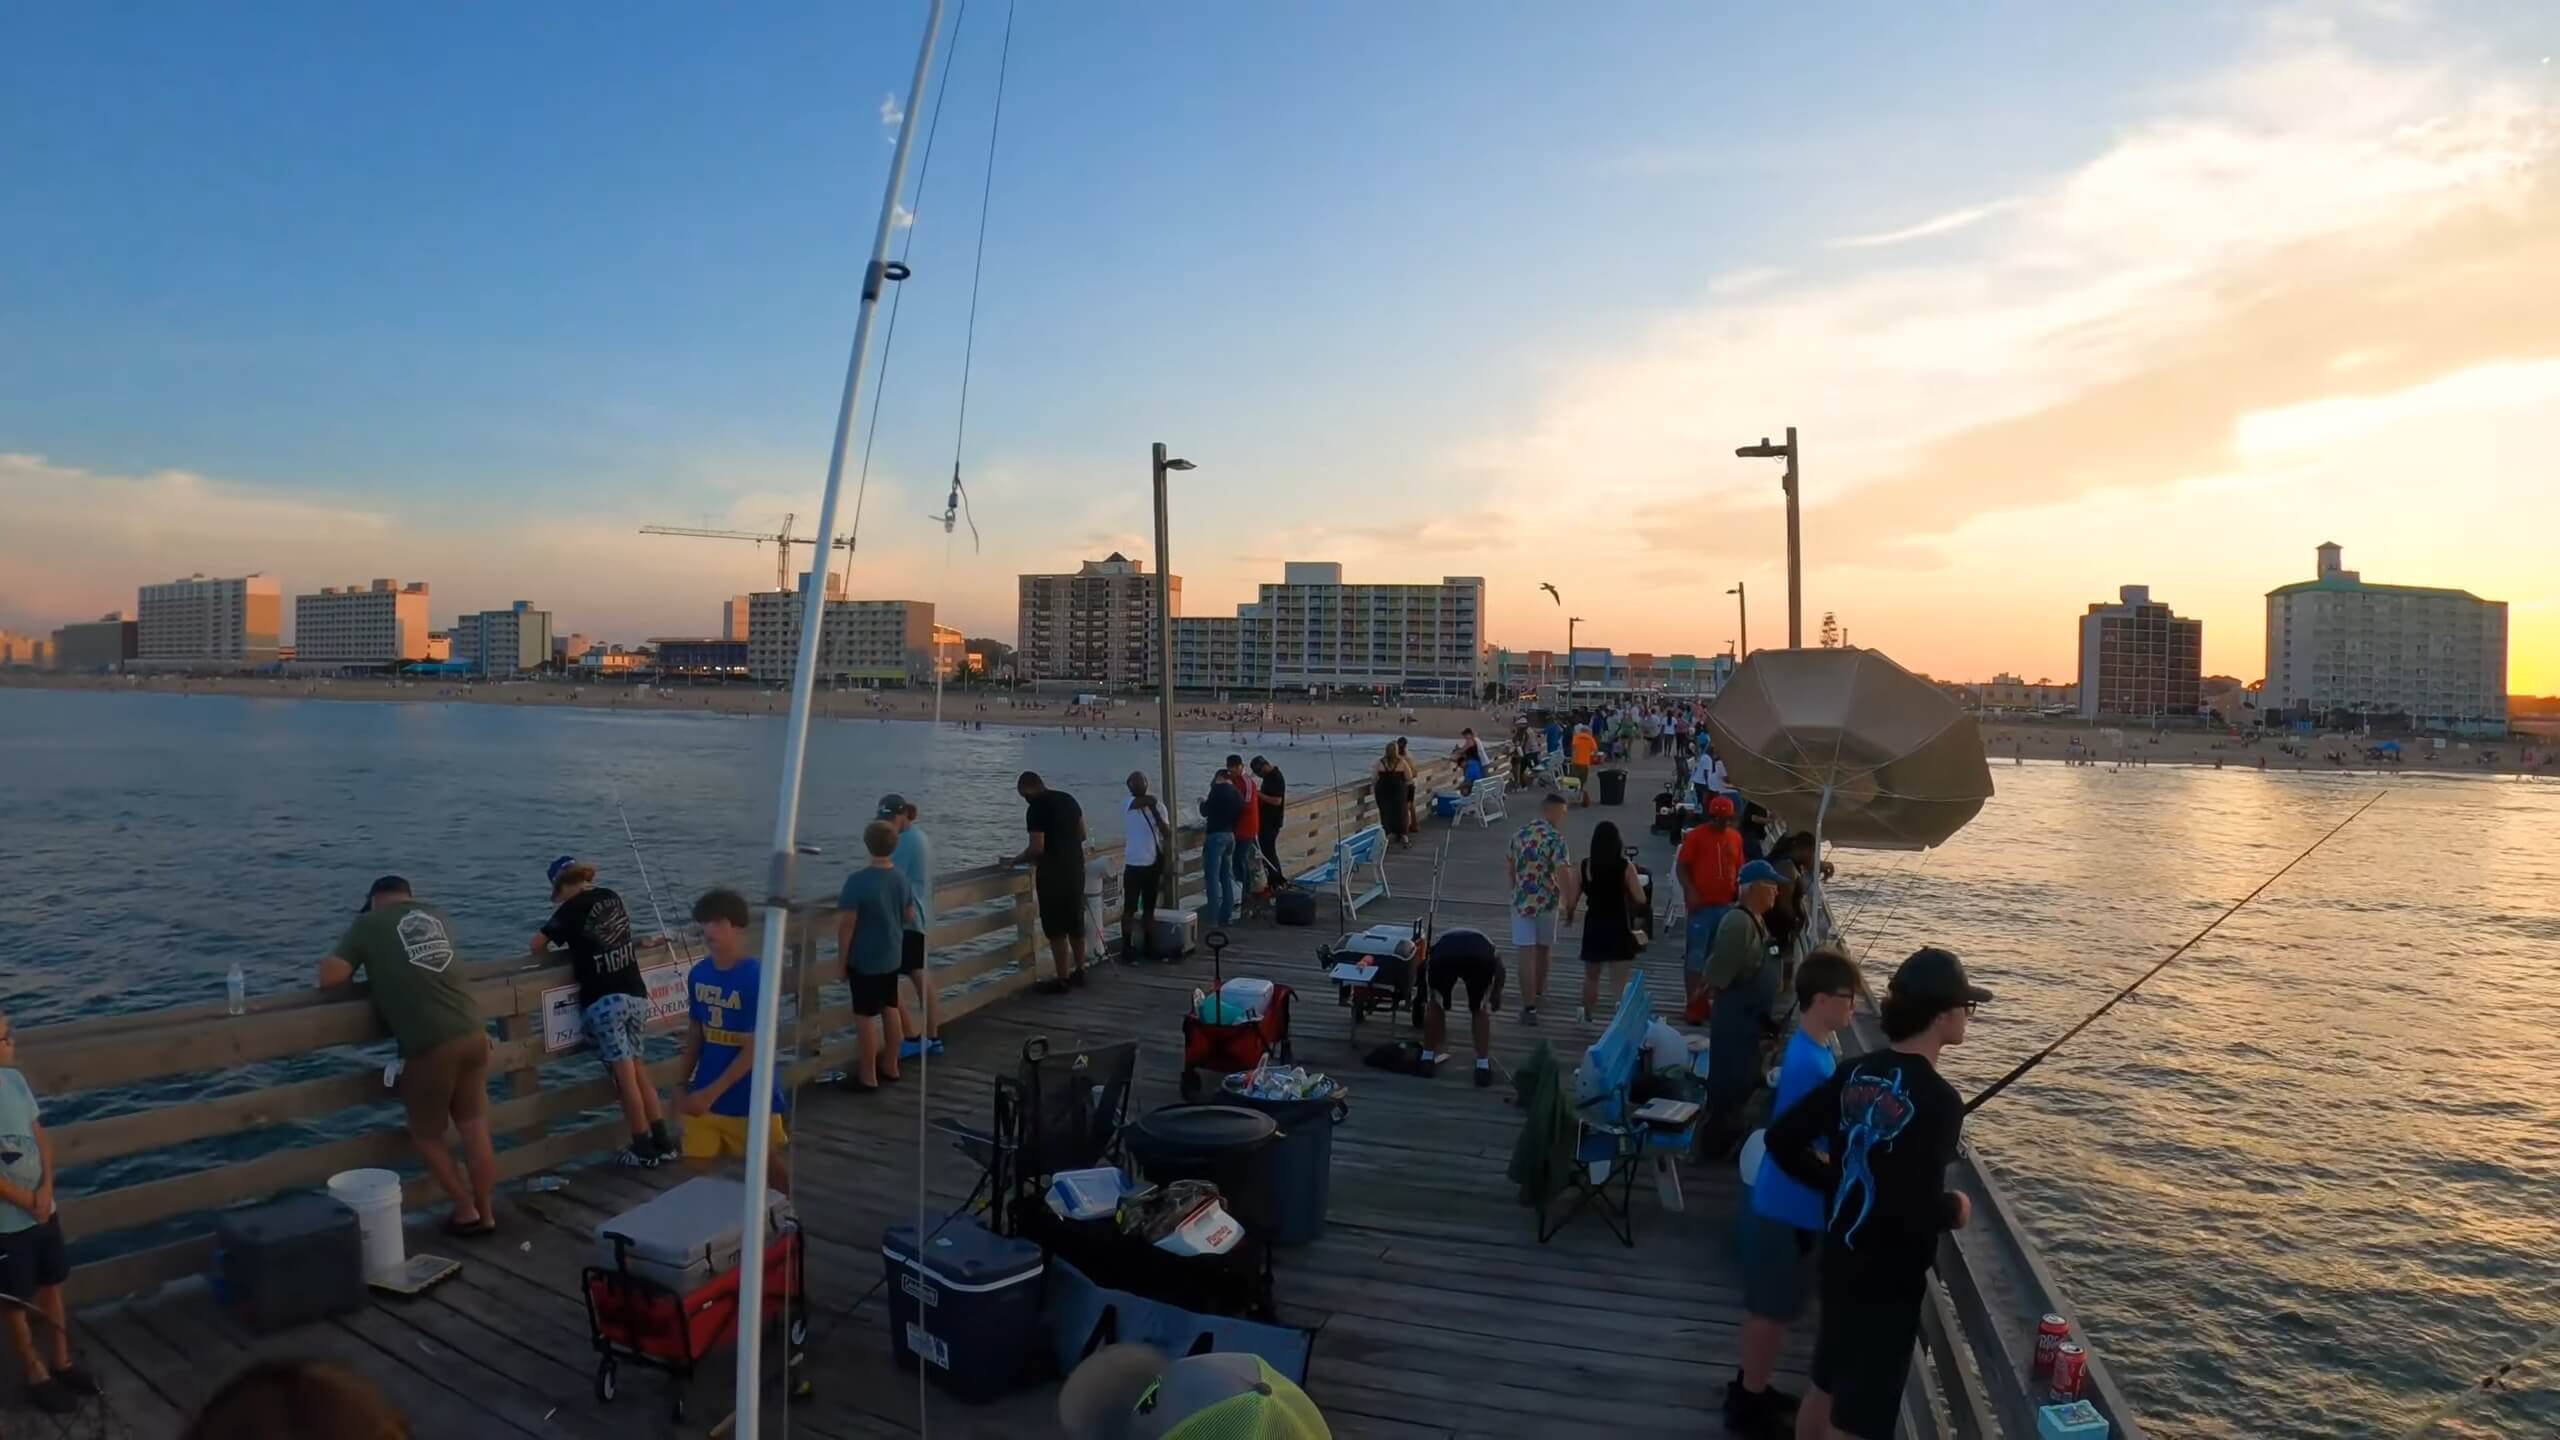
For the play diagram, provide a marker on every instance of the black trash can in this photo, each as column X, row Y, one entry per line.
column 1613, row 787
column 1226, row 1145
column 1301, row 1162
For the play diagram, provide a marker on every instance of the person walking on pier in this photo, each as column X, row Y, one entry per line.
column 1056, row 857
column 914, row 860
column 1877, row 1137
column 1783, row 1246
column 1615, row 892
column 1542, row 885
column 591, row 923
column 1146, row 848
column 1220, row 811
column 405, row 952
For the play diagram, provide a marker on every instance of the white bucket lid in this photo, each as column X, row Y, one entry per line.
column 364, row 1184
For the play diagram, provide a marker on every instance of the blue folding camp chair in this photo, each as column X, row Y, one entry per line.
column 1606, row 1143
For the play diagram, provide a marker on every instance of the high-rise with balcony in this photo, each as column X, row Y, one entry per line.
column 1229, row 653
column 233, row 624
column 379, row 624
column 2139, row 660
column 1096, row 626
column 513, row 641
column 882, row 642
column 2340, row 648
column 1418, row 639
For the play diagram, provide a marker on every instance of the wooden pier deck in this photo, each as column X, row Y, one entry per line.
column 1435, row 1310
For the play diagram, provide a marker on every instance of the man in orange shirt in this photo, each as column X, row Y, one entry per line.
column 1585, row 751
column 1710, row 862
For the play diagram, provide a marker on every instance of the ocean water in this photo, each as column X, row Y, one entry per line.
column 2306, row 1183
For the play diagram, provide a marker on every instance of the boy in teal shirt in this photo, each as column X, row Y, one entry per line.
column 32, row 1263
column 874, row 913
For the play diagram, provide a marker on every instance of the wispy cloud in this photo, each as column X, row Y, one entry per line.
column 900, row 217
column 892, row 114
column 1946, row 224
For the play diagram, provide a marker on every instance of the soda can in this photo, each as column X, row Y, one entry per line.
column 2070, row 1369
column 2051, row 1331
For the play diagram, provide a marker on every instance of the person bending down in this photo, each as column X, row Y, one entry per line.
column 1462, row 957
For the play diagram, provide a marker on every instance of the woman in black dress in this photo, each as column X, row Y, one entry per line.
column 1614, row 893
column 1395, row 796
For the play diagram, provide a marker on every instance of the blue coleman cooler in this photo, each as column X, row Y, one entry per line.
column 968, row 1309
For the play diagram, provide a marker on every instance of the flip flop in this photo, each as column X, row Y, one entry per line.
column 480, row 1229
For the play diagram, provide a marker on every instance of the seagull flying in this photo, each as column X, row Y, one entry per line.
column 1551, row 591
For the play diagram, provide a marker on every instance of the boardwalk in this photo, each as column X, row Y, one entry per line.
column 1436, row 1312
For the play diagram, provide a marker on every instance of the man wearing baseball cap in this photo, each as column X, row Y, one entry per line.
column 914, row 860
column 1877, row 1137
column 1742, row 974
column 1709, row 859
column 1135, row 1392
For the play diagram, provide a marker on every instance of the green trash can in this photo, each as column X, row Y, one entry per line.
column 1300, row 1172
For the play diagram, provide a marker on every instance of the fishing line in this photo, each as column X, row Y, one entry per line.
column 2492, row 1383
column 2032, row 1061
column 682, row 950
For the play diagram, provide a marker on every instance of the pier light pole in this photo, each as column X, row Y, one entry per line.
column 1572, row 671
column 1742, row 600
column 1795, row 536
column 1164, row 648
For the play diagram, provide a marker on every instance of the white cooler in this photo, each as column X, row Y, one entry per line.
column 1176, row 934
column 687, row 1235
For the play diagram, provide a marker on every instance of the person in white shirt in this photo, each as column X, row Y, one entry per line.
column 1707, row 777
column 1147, row 840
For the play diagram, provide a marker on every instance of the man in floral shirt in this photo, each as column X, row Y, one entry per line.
column 1542, row 884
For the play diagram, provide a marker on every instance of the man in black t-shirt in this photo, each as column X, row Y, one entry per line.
column 1275, row 800
column 1056, row 857
column 591, row 923
column 1877, row 1138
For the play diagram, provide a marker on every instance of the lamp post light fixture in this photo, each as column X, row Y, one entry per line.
column 1742, row 599
column 1795, row 538
column 1164, row 659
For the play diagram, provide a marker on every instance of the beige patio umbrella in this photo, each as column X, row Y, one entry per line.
column 1851, row 746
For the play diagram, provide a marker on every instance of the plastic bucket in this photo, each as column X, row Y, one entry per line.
column 1301, row 1163
column 375, row 1197
column 1226, row 1145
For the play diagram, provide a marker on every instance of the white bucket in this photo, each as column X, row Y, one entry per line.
column 375, row 1197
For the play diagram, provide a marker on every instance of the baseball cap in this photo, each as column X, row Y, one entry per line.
column 1935, row 974
column 893, row 805
column 557, row 866
column 1758, row 872
column 387, row 885
column 1136, row 1392
column 1720, row 806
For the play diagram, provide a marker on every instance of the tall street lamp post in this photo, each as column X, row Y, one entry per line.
column 1795, row 536
column 1572, row 668
column 1164, row 661
column 1743, row 601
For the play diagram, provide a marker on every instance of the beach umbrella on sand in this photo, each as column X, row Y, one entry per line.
column 1851, row 746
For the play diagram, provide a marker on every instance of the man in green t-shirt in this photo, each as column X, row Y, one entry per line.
column 405, row 952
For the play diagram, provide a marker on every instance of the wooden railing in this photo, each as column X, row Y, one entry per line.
column 541, row 1116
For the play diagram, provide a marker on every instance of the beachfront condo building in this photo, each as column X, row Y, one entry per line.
column 1229, row 654
column 376, row 625
column 2341, row 649
column 735, row 614
column 866, row 642
column 27, row 652
column 88, row 647
column 513, row 641
column 1094, row 627
column 1413, row 639
column 201, row 624
column 2140, row 661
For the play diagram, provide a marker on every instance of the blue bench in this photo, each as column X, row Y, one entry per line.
column 1343, row 871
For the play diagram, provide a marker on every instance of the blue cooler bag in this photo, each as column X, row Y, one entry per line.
column 968, row 1309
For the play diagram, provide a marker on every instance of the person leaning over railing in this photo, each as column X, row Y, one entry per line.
column 32, row 1263
column 405, row 952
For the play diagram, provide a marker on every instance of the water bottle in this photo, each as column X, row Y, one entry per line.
column 544, row 1184
column 235, row 987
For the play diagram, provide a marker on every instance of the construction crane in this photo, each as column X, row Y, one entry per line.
column 781, row 540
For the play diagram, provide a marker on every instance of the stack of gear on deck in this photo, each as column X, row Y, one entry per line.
column 664, row 1291
column 1233, row 1028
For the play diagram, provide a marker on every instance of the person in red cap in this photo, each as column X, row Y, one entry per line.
column 1709, row 861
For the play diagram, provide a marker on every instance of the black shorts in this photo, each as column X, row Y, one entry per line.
column 32, row 1260
column 873, row 994
column 911, row 952
column 1470, row 960
column 1861, row 1357
column 1061, row 906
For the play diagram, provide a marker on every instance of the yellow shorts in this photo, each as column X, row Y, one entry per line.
column 708, row 1137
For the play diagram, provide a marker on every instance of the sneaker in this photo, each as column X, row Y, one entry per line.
column 1582, row 1013
column 1077, row 979
column 933, row 1046
column 1484, row 1075
column 635, row 1158
column 1528, row 1014
column 53, row 1397
column 76, row 1380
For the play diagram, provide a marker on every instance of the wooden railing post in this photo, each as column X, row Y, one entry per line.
column 525, row 1080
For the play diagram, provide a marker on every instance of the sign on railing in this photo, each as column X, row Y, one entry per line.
column 561, row 1013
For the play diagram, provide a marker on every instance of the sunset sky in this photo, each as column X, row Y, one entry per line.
column 2058, row 302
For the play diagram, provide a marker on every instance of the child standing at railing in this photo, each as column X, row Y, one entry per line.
column 720, row 1043
column 32, row 1263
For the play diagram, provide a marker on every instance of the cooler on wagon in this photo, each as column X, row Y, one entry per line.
column 967, row 1307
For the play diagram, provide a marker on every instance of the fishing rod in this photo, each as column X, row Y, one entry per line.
column 683, row 950
column 2492, row 1383
column 2038, row 1058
